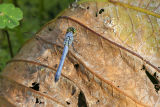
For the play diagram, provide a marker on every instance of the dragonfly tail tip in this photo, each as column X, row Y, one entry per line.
column 56, row 79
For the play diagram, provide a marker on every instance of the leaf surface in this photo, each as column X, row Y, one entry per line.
column 114, row 48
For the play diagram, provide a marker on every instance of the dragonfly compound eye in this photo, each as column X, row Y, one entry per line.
column 71, row 29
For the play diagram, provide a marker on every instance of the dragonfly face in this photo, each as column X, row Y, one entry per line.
column 71, row 29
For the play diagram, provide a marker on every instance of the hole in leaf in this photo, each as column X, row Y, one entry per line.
column 155, row 75
column 143, row 68
column 153, row 78
column 39, row 102
column 76, row 66
column 35, row 86
column 101, row 11
column 81, row 100
column 68, row 102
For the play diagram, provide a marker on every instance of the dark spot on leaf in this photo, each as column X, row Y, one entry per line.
column 157, row 87
column 50, row 29
column 88, row 7
column 37, row 38
column 35, row 86
column 118, row 86
column 97, row 101
column 96, row 14
column 76, row 66
column 81, row 100
column 55, row 65
column 73, row 90
column 101, row 11
column 68, row 102
column 41, row 103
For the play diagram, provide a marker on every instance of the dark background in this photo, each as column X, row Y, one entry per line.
column 36, row 13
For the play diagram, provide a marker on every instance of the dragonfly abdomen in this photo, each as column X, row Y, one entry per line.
column 58, row 73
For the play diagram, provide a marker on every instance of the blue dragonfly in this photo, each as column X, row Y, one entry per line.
column 67, row 42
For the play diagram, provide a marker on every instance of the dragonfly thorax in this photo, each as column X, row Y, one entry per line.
column 68, row 39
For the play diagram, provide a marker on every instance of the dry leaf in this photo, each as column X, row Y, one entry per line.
column 113, row 64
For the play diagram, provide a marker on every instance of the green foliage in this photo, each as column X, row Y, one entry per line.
column 9, row 16
column 35, row 14
column 83, row 1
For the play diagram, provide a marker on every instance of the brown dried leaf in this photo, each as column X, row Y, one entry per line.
column 114, row 49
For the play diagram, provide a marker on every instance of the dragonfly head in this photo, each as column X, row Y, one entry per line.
column 71, row 29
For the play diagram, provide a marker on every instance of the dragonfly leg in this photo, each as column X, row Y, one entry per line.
column 74, row 48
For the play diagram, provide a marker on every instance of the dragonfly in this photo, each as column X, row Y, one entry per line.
column 67, row 42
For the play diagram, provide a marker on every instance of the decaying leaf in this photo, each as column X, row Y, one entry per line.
column 116, row 49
